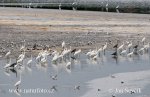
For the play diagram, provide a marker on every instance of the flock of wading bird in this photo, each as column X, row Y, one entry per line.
column 126, row 49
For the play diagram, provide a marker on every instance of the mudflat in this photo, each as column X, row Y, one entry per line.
column 79, row 29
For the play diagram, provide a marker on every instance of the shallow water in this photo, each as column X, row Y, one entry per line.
column 82, row 71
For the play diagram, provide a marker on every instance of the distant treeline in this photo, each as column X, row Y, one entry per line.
column 135, row 6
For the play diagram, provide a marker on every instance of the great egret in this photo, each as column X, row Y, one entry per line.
column 99, row 51
column 117, row 8
column 141, row 50
column 21, row 57
column 60, row 6
column 131, row 53
column 107, row 7
column 120, row 47
column 104, row 47
column 18, row 82
column 29, row 61
column 63, row 45
column 8, row 64
column 129, row 46
column 143, row 40
column 77, row 52
column 147, row 46
column 8, row 53
column 123, row 52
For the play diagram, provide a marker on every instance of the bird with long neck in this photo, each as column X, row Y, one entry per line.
column 147, row 46
column 7, row 54
column 60, row 6
column 117, row 8
column 17, row 84
column 29, row 61
column 23, row 46
column 143, row 40
column 21, row 57
column 104, row 48
column 8, row 64
column 63, row 45
column 77, row 53
column 120, row 47
column 131, row 53
column 107, row 7
column 129, row 46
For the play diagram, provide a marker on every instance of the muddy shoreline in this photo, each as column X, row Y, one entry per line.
column 79, row 29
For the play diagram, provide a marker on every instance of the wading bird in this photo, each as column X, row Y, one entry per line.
column 143, row 40
column 107, row 7
column 117, row 8
column 18, row 82
column 8, row 53
column 104, row 48
column 63, row 45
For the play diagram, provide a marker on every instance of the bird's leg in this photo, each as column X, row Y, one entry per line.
column 79, row 56
column 104, row 52
column 129, row 50
column 99, row 54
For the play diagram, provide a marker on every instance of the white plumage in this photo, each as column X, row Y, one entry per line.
column 105, row 46
column 121, row 47
column 143, row 40
column 77, row 52
column 130, row 54
column 18, row 82
column 29, row 62
column 7, row 54
column 63, row 44
column 68, row 65
column 129, row 45
column 123, row 52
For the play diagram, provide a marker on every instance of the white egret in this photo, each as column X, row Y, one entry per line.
column 120, row 47
column 99, row 51
column 104, row 48
column 60, row 6
column 131, row 53
column 8, row 53
column 147, row 46
column 63, row 45
column 77, row 53
column 8, row 64
column 21, row 57
column 18, row 82
column 143, row 40
column 141, row 50
column 117, row 8
column 29, row 61
column 123, row 52
column 107, row 7
column 129, row 46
